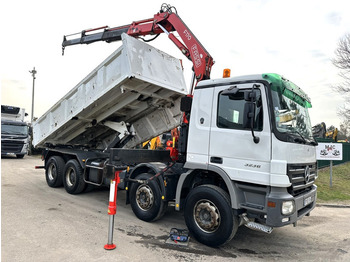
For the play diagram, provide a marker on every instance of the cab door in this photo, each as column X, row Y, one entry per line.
column 199, row 129
column 231, row 146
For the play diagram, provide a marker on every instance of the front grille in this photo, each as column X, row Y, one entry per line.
column 301, row 179
column 11, row 147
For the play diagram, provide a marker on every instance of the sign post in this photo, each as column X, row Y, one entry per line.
column 329, row 151
column 331, row 173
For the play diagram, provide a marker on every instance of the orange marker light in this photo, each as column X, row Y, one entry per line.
column 226, row 73
column 271, row 204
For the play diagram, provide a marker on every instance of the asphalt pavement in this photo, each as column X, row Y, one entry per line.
column 39, row 223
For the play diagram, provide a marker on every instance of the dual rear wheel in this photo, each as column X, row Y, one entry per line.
column 69, row 174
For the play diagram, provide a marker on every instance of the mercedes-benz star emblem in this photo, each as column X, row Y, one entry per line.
column 307, row 174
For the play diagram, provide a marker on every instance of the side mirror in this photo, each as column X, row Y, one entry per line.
column 250, row 96
column 248, row 114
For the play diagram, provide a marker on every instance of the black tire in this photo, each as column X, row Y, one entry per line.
column 209, row 216
column 146, row 200
column 73, row 179
column 19, row 156
column 54, row 171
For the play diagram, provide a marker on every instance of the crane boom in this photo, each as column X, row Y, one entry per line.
column 166, row 21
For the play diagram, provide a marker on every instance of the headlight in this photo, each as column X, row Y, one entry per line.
column 288, row 207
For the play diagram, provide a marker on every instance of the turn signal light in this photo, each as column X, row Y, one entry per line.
column 226, row 73
column 271, row 204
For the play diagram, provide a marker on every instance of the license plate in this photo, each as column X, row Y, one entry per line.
column 307, row 201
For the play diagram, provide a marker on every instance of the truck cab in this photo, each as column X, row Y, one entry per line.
column 255, row 133
column 14, row 131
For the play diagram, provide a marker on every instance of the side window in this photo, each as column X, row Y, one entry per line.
column 231, row 110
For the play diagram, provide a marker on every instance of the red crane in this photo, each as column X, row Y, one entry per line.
column 165, row 21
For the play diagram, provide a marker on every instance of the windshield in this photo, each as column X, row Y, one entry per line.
column 290, row 108
column 291, row 117
column 14, row 130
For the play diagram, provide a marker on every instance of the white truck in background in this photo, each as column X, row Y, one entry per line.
column 14, row 131
column 244, row 154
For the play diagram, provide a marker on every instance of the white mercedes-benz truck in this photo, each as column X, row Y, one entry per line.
column 242, row 151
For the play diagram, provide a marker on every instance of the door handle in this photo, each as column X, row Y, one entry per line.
column 216, row 160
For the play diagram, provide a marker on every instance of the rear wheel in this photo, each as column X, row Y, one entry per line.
column 54, row 171
column 209, row 216
column 146, row 200
column 73, row 180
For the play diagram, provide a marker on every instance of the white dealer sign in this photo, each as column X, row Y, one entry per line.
column 329, row 151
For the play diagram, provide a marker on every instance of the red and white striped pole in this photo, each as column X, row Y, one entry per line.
column 112, row 210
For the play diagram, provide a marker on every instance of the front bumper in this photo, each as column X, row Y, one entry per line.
column 304, row 204
column 14, row 147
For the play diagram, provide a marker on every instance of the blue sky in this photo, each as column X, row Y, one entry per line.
column 294, row 38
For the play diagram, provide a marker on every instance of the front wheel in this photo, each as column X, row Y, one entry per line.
column 73, row 180
column 209, row 216
column 146, row 200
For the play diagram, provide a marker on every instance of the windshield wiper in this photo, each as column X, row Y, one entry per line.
column 310, row 142
column 303, row 140
column 314, row 143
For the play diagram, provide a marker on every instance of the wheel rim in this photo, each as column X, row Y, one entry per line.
column 144, row 197
column 70, row 177
column 52, row 172
column 207, row 216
